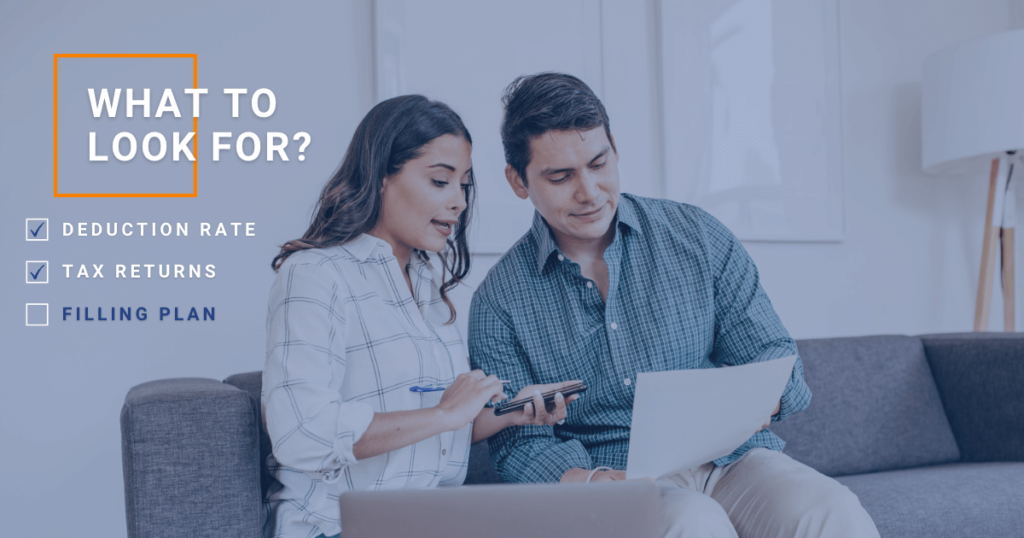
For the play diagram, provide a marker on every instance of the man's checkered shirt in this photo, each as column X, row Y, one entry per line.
column 683, row 293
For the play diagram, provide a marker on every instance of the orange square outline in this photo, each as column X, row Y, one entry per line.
column 195, row 131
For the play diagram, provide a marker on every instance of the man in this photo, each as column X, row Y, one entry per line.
column 605, row 286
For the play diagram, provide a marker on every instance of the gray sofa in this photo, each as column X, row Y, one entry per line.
column 928, row 431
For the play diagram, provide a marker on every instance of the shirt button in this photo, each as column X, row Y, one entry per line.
column 590, row 284
column 444, row 451
column 561, row 258
column 615, row 326
column 627, row 382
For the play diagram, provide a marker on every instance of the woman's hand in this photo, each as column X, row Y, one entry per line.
column 535, row 413
column 464, row 398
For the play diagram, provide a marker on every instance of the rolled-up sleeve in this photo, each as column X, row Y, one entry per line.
column 520, row 453
column 747, row 328
column 311, row 426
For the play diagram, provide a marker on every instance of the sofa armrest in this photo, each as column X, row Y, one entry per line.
column 190, row 454
column 980, row 377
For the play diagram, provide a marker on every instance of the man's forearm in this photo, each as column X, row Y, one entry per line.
column 584, row 475
column 537, row 458
column 575, row 475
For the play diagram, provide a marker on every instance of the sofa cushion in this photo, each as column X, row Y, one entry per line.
column 958, row 499
column 980, row 377
column 190, row 460
column 875, row 407
column 481, row 466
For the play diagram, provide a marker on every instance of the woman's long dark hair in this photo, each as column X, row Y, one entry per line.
column 392, row 133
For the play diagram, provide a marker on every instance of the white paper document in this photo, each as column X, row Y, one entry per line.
column 685, row 418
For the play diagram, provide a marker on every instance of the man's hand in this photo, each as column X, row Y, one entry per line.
column 580, row 475
column 768, row 422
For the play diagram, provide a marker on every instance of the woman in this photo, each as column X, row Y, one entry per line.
column 360, row 322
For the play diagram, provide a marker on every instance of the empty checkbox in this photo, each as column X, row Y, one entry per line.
column 37, row 314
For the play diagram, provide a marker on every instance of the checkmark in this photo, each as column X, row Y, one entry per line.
column 40, row 275
column 34, row 229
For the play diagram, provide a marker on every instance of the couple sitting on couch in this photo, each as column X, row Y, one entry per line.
column 602, row 287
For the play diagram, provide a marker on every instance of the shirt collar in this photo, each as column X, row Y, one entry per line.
column 545, row 241
column 625, row 214
column 361, row 247
column 365, row 245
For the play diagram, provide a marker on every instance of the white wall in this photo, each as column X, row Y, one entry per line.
column 1016, row 14
column 910, row 258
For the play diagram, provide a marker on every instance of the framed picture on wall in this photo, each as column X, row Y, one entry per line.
column 752, row 114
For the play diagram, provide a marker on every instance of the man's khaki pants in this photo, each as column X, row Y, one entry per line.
column 763, row 494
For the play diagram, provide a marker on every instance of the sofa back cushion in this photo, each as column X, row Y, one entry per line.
column 875, row 407
column 190, row 460
column 980, row 377
column 252, row 383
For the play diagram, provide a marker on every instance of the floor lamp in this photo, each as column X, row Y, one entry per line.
column 972, row 98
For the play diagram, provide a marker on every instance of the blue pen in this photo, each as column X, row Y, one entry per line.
column 434, row 387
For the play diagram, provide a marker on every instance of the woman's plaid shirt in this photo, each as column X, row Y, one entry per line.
column 345, row 340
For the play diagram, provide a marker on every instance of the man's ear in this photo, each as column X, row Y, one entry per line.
column 516, row 182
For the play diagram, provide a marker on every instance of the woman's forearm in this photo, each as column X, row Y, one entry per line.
column 486, row 424
column 398, row 429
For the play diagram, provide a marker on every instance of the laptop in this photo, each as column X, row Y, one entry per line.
column 625, row 508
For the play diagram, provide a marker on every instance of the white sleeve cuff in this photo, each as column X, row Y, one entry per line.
column 353, row 420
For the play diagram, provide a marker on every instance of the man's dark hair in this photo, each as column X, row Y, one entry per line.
column 536, row 104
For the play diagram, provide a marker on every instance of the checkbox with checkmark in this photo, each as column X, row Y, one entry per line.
column 37, row 229
column 37, row 272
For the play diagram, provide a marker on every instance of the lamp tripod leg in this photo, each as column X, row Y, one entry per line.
column 988, row 253
column 1009, row 223
column 1009, row 296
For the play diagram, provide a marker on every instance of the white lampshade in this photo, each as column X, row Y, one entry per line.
column 972, row 98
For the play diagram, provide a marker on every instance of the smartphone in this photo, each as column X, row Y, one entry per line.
column 549, row 399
